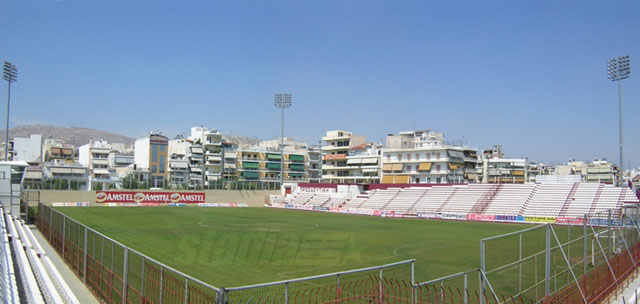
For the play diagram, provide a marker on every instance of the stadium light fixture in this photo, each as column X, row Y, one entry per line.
column 618, row 69
column 10, row 74
column 282, row 101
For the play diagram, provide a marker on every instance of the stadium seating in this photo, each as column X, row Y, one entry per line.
column 530, row 199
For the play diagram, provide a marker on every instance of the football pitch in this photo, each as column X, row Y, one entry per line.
column 241, row 246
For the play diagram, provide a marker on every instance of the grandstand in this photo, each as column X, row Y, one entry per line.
column 28, row 273
column 531, row 199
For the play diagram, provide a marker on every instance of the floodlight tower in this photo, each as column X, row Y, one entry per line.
column 10, row 74
column 282, row 101
column 618, row 69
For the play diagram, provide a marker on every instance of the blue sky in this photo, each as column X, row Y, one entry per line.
column 529, row 75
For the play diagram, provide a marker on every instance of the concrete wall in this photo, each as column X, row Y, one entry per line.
column 254, row 198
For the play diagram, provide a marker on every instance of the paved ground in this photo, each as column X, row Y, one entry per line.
column 629, row 294
column 77, row 287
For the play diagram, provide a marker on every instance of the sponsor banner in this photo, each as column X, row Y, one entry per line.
column 111, row 204
column 57, row 204
column 569, row 220
column 150, row 204
column 149, row 197
column 481, row 217
column 128, row 204
column 360, row 211
column 319, row 208
column 243, row 205
column 317, row 190
column 431, row 215
column 70, row 204
column 605, row 222
column 177, row 205
column 509, row 218
column 540, row 219
column 453, row 216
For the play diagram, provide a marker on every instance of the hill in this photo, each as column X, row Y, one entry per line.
column 73, row 135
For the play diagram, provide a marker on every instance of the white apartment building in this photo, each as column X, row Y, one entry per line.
column 211, row 141
column 95, row 156
column 415, row 157
column 335, row 149
column 178, row 164
column 26, row 149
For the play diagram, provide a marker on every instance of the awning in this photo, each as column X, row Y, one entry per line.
column 293, row 174
column 424, row 167
column 296, row 167
column 179, row 164
column 196, row 169
column 55, row 150
column 388, row 179
column 100, row 171
column 402, row 179
column 60, row 170
column 273, row 166
column 369, row 170
column 370, row 161
column 451, row 153
column 396, row 167
column 354, row 161
column 79, row 171
column 471, row 175
column 250, row 165
column 453, row 166
column 197, row 150
column 296, row 157
column 387, row 167
column 33, row 175
column 271, row 156
column 249, row 174
column 67, row 151
column 517, row 172
column 214, row 158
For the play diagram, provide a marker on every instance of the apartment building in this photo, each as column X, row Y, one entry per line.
column 211, row 141
column 314, row 169
column 57, row 149
column 230, row 167
column 60, row 174
column 335, row 149
column 423, row 157
column 600, row 171
column 178, row 172
column 262, row 164
column 151, row 155
column 26, row 149
column 95, row 156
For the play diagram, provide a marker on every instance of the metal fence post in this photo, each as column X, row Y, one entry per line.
column 380, row 287
column 64, row 230
column 483, row 269
column 186, row 290
column 586, row 244
column 125, row 274
column 142, row 280
column 519, row 263
column 547, row 262
column 413, row 283
column 50, row 220
column 466, row 296
column 286, row 293
column 84, row 263
column 609, row 231
column 161, row 284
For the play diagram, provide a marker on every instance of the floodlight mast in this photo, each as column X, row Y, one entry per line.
column 282, row 101
column 618, row 69
column 10, row 74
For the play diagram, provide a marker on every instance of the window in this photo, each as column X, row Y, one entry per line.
column 399, row 156
column 438, row 169
column 428, row 156
column 428, row 179
column 438, row 180
column 154, row 169
column 408, row 156
column 388, row 157
column 154, row 153
column 417, row 156
column 417, row 180
column 408, row 168
column 163, row 148
column 437, row 155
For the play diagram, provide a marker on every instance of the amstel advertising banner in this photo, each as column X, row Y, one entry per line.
column 149, row 198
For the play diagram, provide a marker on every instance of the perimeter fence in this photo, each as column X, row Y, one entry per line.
column 582, row 262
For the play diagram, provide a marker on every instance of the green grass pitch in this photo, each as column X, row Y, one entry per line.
column 240, row 246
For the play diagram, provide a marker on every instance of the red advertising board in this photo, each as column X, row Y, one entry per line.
column 569, row 220
column 149, row 197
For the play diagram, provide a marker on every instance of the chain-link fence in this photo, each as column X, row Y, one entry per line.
column 391, row 283
column 553, row 259
column 114, row 272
